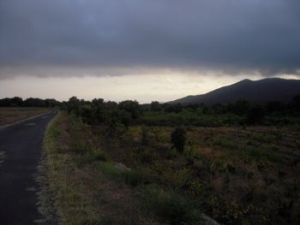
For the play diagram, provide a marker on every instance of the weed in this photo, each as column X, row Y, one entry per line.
column 220, row 166
column 191, row 154
column 145, row 136
column 225, row 144
column 137, row 177
column 146, row 156
column 110, row 169
column 231, row 168
column 197, row 187
column 93, row 156
column 177, row 179
column 171, row 154
column 232, row 174
column 172, row 207
column 249, row 175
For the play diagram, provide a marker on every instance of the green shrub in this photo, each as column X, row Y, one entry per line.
column 178, row 138
column 135, row 178
column 172, row 207
column 197, row 187
column 177, row 179
column 110, row 169
column 147, row 156
column 94, row 156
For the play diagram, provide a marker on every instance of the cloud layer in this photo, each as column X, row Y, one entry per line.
column 110, row 35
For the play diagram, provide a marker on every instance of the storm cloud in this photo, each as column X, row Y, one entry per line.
column 57, row 37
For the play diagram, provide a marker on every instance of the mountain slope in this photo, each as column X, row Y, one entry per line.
column 271, row 89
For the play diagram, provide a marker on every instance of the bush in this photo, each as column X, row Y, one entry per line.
column 135, row 178
column 255, row 115
column 175, row 209
column 178, row 138
column 94, row 156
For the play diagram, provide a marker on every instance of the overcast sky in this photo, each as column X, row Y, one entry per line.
column 143, row 49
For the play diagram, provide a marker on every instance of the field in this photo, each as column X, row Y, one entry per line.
column 134, row 175
column 9, row 115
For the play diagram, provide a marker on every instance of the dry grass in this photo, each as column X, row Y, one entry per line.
column 240, row 175
column 236, row 175
column 13, row 114
column 86, row 191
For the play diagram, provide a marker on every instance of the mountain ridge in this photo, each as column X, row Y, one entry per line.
column 264, row 90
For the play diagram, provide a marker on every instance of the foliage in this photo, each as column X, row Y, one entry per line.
column 178, row 138
column 174, row 208
column 29, row 102
column 255, row 115
column 137, row 177
column 83, row 180
column 131, row 112
column 235, row 173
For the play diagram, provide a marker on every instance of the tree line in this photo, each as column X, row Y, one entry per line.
column 29, row 102
column 126, row 113
column 129, row 112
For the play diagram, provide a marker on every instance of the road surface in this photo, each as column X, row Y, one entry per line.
column 20, row 154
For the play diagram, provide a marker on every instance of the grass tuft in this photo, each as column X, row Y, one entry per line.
column 172, row 207
column 135, row 178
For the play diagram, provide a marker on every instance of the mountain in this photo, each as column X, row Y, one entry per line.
column 270, row 89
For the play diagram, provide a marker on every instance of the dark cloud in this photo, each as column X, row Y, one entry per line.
column 231, row 36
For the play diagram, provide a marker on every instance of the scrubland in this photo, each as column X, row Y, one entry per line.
column 103, row 174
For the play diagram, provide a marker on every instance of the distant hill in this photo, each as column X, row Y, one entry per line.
column 270, row 89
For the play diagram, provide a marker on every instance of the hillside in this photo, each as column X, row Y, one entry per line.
column 271, row 89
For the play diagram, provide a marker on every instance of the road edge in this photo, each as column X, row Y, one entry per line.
column 46, row 197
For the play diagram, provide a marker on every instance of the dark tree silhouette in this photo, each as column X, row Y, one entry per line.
column 255, row 115
column 178, row 138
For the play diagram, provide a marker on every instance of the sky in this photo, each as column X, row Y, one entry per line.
column 143, row 50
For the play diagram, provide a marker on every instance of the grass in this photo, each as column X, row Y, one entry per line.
column 236, row 175
column 11, row 115
column 137, row 177
column 65, row 179
column 89, row 188
column 174, row 208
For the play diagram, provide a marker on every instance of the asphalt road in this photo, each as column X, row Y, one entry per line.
column 20, row 154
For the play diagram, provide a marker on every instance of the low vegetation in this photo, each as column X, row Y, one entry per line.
column 9, row 115
column 16, row 109
column 126, row 163
column 116, row 164
column 89, row 187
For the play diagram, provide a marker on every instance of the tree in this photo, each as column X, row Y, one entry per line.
column 86, row 113
column 5, row 102
column 240, row 107
column 171, row 108
column 34, row 102
column 155, row 106
column 131, row 107
column 98, row 102
column 178, row 138
column 16, row 102
column 255, row 115
column 295, row 104
column 74, row 105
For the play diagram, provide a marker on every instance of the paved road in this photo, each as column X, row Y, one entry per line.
column 20, row 153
